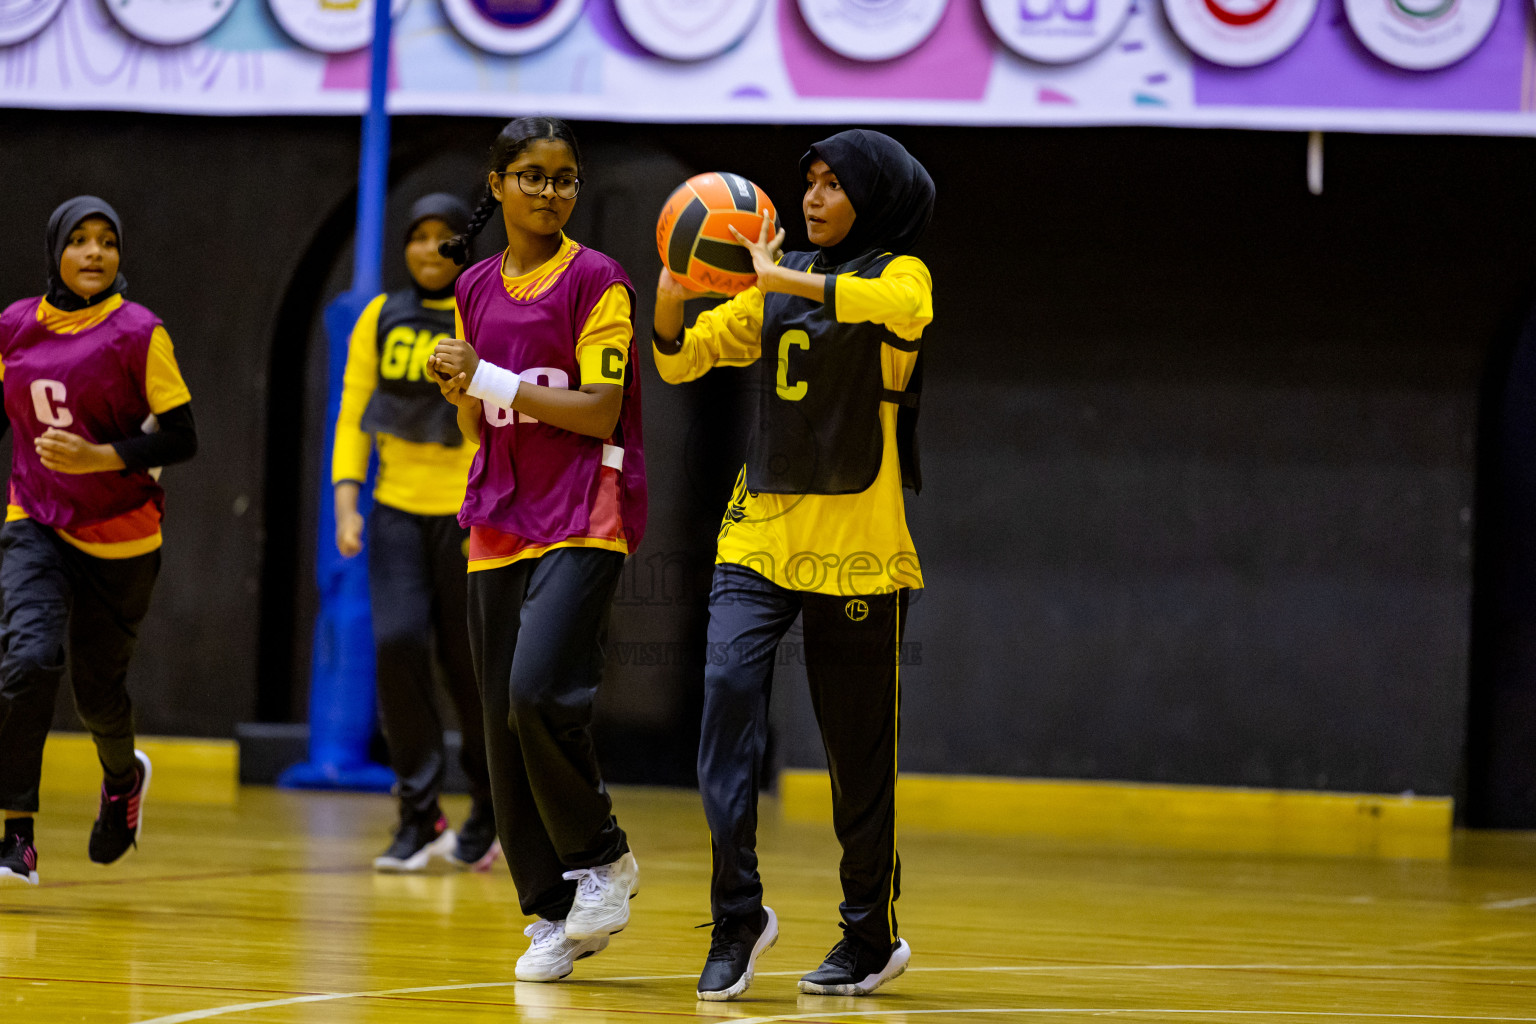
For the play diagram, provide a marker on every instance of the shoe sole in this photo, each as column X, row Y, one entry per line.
column 417, row 862
column 143, row 759
column 9, row 877
column 605, row 928
column 481, row 865
column 900, row 957
column 568, row 967
column 765, row 942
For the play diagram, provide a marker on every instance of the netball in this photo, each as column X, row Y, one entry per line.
column 693, row 233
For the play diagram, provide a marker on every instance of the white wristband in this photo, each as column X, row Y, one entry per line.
column 493, row 384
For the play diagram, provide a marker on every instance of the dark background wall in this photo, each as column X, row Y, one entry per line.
column 1201, row 449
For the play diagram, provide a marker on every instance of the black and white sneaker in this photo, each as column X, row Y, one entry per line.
column 120, row 816
column 417, row 841
column 734, row 947
column 853, row 969
column 18, row 861
column 477, row 847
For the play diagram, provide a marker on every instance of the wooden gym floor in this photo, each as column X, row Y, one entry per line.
column 266, row 912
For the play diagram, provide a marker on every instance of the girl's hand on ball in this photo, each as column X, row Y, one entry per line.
column 765, row 251
column 63, row 452
column 669, row 287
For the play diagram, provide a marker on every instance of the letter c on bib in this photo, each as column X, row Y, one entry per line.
column 48, row 398
column 791, row 339
column 612, row 370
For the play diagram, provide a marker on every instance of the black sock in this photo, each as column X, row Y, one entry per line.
column 19, row 827
column 117, row 785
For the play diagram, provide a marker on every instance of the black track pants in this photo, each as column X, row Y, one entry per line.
column 537, row 628
column 851, row 647
column 418, row 595
column 61, row 602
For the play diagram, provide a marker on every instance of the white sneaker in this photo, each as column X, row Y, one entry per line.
column 552, row 953
column 602, row 898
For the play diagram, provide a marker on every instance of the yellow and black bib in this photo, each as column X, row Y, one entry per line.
column 407, row 403
column 819, row 393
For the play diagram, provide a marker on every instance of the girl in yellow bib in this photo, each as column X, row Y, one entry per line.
column 817, row 528
column 416, row 548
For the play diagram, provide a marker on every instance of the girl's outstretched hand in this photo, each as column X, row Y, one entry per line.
column 453, row 357
column 765, row 251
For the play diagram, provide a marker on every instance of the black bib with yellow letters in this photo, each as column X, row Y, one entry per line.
column 820, row 389
column 406, row 402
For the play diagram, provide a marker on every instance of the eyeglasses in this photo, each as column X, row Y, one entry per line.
column 532, row 183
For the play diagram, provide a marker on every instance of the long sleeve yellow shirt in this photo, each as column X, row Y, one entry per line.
column 845, row 544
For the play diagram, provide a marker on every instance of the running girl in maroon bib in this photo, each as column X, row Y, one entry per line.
column 542, row 373
column 95, row 401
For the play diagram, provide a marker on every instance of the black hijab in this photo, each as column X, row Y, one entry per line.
column 63, row 221
column 452, row 211
column 891, row 193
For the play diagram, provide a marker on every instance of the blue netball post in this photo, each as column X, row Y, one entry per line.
column 341, row 685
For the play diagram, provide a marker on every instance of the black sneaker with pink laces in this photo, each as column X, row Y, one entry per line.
column 18, row 857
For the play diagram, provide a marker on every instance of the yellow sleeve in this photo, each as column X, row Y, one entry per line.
column 163, row 385
column 731, row 334
column 901, row 298
column 602, row 350
column 349, row 457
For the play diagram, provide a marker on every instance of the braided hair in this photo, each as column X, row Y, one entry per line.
column 516, row 136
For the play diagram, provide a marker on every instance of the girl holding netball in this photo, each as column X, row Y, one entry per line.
column 544, row 382
column 95, row 399
column 416, row 548
column 816, row 527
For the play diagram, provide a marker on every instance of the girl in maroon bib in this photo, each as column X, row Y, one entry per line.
column 96, row 403
column 542, row 372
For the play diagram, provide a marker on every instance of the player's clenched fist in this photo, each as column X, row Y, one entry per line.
column 453, row 356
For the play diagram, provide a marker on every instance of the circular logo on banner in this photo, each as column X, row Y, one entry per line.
column 1421, row 34
column 169, row 22
column 330, row 26
column 23, row 19
column 872, row 29
column 1057, row 31
column 512, row 26
column 688, row 29
column 1240, row 33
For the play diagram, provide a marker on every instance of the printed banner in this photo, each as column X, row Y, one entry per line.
column 169, row 22
column 1437, row 66
column 1422, row 34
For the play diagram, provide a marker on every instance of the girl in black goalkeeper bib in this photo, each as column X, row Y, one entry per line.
column 816, row 526
column 391, row 404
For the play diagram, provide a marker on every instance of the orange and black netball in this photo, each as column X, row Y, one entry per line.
column 693, row 233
